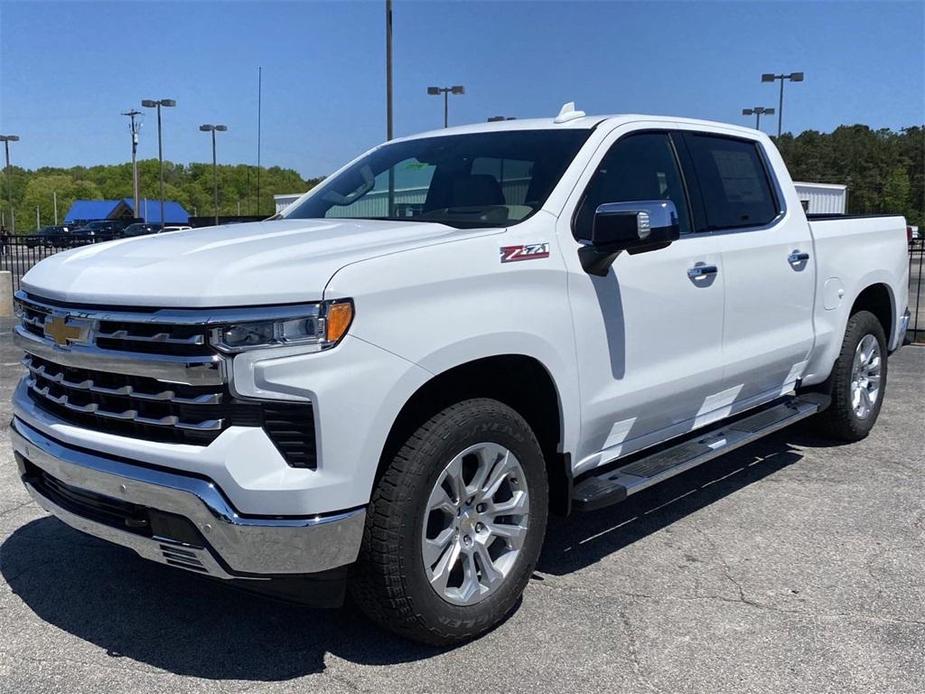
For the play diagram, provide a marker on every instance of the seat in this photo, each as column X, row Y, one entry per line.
column 476, row 190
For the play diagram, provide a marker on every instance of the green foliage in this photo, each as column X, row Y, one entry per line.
column 883, row 169
column 191, row 185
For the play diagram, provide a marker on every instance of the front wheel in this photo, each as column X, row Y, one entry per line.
column 858, row 380
column 455, row 525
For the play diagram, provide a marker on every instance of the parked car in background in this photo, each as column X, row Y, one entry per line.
column 913, row 235
column 391, row 396
column 51, row 237
column 175, row 227
column 141, row 229
column 101, row 230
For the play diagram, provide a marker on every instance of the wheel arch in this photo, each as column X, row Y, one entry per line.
column 519, row 381
column 878, row 299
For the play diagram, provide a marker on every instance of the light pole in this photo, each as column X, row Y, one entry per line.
column 446, row 91
column 207, row 128
column 134, row 127
column 758, row 111
column 6, row 140
column 771, row 77
column 152, row 103
column 388, row 70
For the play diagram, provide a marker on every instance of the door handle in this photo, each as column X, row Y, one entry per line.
column 797, row 257
column 699, row 271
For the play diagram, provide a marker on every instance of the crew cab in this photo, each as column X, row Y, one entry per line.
column 387, row 387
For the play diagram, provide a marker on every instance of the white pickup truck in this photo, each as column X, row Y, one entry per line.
column 387, row 387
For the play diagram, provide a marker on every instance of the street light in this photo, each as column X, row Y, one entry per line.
column 152, row 103
column 207, row 128
column 6, row 140
column 446, row 91
column 758, row 111
column 771, row 77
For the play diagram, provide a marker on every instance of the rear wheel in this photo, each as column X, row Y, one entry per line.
column 455, row 525
column 858, row 380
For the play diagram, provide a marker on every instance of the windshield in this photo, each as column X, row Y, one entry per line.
column 477, row 180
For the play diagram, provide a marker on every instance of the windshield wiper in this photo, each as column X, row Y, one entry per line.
column 455, row 223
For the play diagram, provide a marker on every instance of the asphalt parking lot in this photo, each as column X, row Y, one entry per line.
column 787, row 566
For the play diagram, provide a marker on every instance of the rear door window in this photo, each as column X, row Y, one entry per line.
column 734, row 185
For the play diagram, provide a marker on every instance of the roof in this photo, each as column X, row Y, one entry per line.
column 90, row 209
column 150, row 210
column 828, row 186
column 578, row 122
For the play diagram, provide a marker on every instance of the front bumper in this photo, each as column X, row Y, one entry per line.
column 177, row 519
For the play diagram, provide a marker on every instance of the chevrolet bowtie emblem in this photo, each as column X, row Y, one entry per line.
column 62, row 333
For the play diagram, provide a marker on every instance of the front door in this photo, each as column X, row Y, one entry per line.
column 649, row 333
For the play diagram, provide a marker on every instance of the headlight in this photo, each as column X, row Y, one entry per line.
column 321, row 324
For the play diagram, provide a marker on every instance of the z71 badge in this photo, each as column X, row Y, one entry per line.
column 528, row 251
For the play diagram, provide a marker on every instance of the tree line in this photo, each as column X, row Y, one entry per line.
column 883, row 169
column 191, row 185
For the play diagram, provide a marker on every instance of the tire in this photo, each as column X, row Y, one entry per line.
column 843, row 420
column 391, row 583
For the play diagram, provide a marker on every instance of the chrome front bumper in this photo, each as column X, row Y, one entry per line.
column 224, row 543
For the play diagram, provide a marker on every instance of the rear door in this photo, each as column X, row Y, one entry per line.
column 767, row 262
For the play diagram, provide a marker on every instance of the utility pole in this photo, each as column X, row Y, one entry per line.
column 388, row 101
column 259, row 93
column 134, row 128
column 6, row 140
column 388, row 69
column 54, row 197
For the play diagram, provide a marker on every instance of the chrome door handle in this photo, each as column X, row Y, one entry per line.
column 797, row 257
column 699, row 271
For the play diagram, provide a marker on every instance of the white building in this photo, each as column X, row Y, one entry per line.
column 283, row 201
column 823, row 198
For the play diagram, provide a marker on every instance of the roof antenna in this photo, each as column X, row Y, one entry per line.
column 568, row 112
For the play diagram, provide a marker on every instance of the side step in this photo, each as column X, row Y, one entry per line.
column 615, row 485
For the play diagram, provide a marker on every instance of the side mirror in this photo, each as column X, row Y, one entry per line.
column 635, row 227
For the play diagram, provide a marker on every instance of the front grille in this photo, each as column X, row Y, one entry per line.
column 127, row 335
column 68, row 377
column 149, row 409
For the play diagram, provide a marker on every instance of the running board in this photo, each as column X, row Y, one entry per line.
column 615, row 485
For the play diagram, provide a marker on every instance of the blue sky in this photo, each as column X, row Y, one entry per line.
column 68, row 69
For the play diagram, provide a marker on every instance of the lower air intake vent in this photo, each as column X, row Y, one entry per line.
column 294, row 436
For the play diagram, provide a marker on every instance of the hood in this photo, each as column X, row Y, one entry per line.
column 272, row 262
